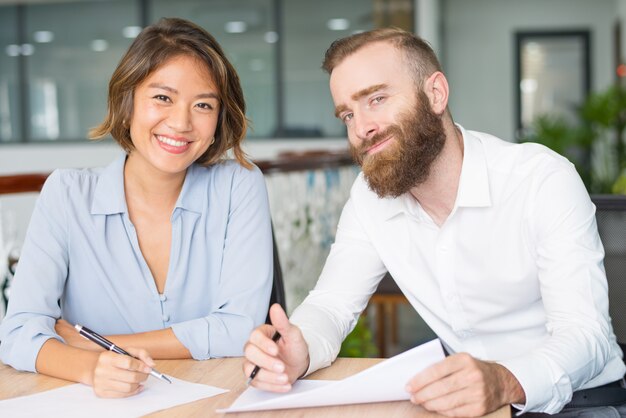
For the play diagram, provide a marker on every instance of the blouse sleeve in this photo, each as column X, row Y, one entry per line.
column 39, row 280
column 246, row 275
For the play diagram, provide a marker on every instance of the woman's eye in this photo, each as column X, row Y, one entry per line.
column 206, row 106
column 162, row 97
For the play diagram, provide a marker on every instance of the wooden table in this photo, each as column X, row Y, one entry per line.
column 227, row 373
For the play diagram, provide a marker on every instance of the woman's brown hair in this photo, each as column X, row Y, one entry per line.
column 154, row 46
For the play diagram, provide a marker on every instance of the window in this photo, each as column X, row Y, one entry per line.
column 54, row 74
column 9, row 83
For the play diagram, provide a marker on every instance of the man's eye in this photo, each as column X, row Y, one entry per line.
column 378, row 99
column 347, row 118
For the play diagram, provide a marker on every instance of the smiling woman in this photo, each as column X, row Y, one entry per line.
column 167, row 251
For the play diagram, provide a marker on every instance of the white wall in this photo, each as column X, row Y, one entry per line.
column 478, row 52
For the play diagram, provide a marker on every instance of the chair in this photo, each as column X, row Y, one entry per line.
column 278, row 288
column 611, row 219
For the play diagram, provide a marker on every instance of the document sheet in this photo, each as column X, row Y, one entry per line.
column 79, row 401
column 383, row 382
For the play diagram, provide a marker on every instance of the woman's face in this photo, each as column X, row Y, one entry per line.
column 175, row 114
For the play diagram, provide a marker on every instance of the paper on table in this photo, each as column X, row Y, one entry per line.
column 383, row 382
column 79, row 401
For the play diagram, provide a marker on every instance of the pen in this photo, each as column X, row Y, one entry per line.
column 256, row 369
column 108, row 345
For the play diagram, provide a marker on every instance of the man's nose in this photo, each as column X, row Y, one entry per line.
column 365, row 126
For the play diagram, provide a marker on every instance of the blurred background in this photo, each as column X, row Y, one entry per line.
column 549, row 71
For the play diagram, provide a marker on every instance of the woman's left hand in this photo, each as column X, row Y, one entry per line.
column 72, row 337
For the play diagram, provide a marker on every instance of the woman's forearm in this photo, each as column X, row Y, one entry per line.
column 66, row 362
column 161, row 344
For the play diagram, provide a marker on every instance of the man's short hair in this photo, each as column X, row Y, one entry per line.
column 419, row 56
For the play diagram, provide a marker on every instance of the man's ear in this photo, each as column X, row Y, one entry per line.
column 436, row 89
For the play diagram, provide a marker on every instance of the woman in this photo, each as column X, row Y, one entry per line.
column 168, row 249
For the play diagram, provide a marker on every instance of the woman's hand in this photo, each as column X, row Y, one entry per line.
column 120, row 376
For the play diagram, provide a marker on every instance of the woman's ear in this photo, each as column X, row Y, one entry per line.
column 436, row 89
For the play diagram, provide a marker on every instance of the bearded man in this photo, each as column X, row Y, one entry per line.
column 494, row 244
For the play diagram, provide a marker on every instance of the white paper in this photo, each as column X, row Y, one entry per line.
column 79, row 401
column 381, row 383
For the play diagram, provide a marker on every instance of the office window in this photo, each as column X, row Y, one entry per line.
column 246, row 31
column 57, row 58
column 309, row 29
column 9, row 81
column 69, row 64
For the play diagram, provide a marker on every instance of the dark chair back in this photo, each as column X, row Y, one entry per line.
column 611, row 218
column 278, row 287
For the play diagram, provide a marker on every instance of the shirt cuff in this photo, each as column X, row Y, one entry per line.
column 547, row 388
column 194, row 335
column 21, row 351
column 318, row 358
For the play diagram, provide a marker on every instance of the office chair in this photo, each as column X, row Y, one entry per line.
column 611, row 219
column 278, row 288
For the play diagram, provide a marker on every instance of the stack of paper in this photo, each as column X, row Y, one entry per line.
column 383, row 382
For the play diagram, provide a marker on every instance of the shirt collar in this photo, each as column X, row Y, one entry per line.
column 109, row 196
column 109, row 193
column 474, row 182
column 191, row 196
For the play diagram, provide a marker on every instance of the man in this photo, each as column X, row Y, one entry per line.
column 494, row 244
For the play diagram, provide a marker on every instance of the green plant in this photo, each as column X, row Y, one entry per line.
column 573, row 142
column 619, row 187
column 359, row 343
column 594, row 142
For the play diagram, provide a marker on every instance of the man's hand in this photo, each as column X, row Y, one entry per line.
column 73, row 338
column 281, row 363
column 462, row 386
column 120, row 376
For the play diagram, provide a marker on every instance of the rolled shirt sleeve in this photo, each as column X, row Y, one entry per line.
column 242, row 296
column 39, row 281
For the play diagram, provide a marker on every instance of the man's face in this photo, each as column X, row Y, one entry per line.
column 418, row 140
column 394, row 135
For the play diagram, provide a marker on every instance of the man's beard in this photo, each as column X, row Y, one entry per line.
column 405, row 162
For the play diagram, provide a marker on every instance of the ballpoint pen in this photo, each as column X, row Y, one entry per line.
column 256, row 369
column 108, row 345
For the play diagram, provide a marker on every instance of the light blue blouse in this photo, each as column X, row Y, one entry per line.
column 81, row 262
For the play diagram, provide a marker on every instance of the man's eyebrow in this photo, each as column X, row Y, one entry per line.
column 210, row 95
column 367, row 91
column 360, row 94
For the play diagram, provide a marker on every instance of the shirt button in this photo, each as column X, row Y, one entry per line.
column 166, row 318
column 162, row 297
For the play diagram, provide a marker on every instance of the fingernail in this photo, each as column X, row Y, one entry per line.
column 278, row 367
column 408, row 388
column 282, row 378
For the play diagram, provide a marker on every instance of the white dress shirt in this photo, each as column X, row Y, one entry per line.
column 514, row 275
